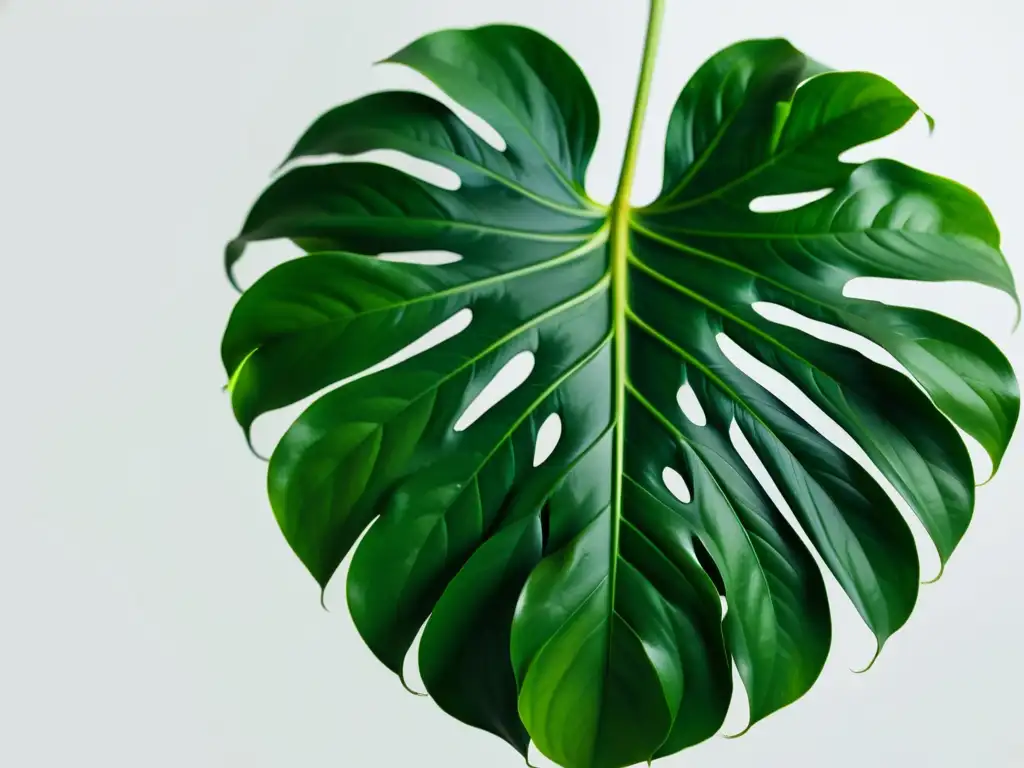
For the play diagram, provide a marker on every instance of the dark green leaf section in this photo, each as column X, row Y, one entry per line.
column 778, row 622
column 525, row 87
column 576, row 603
column 409, row 122
column 369, row 208
column 729, row 115
column 336, row 314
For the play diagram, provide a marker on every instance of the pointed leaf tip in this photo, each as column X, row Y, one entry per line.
column 232, row 253
column 252, row 448
column 878, row 652
column 401, row 679
column 744, row 732
column 936, row 577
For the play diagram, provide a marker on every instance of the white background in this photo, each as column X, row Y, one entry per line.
column 150, row 612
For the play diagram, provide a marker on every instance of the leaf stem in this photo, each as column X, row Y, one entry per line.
column 643, row 90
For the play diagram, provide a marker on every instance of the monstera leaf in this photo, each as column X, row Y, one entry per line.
column 577, row 603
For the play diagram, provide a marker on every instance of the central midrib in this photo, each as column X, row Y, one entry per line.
column 619, row 216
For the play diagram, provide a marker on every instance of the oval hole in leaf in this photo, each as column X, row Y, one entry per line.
column 830, row 333
column 691, row 406
column 505, row 382
column 424, row 170
column 760, row 472
column 479, row 126
column 808, row 410
column 426, row 258
column 676, row 484
column 548, row 435
column 707, row 562
column 269, row 428
column 792, row 201
column 725, row 605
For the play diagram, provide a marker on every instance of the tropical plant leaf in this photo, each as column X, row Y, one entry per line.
column 576, row 603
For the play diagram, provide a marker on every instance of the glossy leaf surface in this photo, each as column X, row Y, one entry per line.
column 577, row 603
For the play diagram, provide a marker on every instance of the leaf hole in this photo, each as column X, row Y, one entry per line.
column 511, row 376
column 690, row 405
column 268, row 428
column 548, row 435
column 794, row 397
column 478, row 125
column 424, row 170
column 790, row 394
column 987, row 309
column 981, row 462
column 787, row 202
column 676, row 484
column 426, row 258
column 545, row 526
column 707, row 562
column 725, row 606
column 861, row 642
column 760, row 472
column 830, row 333
column 409, row 78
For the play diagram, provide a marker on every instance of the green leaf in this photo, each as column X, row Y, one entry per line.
column 576, row 604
